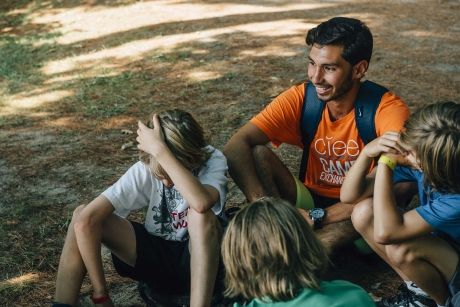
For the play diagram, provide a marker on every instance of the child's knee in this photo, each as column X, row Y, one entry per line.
column 400, row 254
column 77, row 211
column 76, row 216
column 362, row 215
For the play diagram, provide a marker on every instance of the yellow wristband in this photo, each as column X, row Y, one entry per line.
column 388, row 162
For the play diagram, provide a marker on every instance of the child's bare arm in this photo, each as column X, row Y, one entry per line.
column 200, row 197
column 390, row 225
column 358, row 184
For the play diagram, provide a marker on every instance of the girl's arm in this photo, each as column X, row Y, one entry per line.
column 390, row 225
column 88, row 232
column 200, row 197
column 358, row 184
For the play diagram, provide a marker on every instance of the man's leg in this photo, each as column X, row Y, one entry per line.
column 205, row 235
column 336, row 235
column 117, row 234
column 276, row 179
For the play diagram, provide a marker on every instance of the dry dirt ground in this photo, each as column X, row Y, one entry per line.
column 74, row 74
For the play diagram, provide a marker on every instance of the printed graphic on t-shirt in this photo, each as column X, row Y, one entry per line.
column 336, row 157
column 170, row 217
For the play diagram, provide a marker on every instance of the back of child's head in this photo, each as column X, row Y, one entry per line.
column 270, row 252
column 433, row 133
column 183, row 136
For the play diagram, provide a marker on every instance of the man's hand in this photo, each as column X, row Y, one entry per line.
column 305, row 214
column 151, row 140
column 387, row 143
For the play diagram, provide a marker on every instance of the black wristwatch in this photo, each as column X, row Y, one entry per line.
column 317, row 215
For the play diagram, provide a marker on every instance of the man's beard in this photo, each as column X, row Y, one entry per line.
column 342, row 90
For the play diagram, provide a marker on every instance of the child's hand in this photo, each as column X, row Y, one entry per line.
column 387, row 143
column 151, row 140
column 407, row 159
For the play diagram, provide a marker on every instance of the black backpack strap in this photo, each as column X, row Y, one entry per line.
column 312, row 110
column 366, row 105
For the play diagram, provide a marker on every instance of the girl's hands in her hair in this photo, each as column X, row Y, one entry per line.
column 151, row 140
column 388, row 143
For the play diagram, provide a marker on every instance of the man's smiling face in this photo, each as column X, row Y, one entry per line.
column 331, row 74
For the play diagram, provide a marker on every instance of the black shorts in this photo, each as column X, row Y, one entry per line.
column 164, row 265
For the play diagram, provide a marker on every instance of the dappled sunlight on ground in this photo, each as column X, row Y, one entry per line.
column 202, row 75
column 83, row 23
column 31, row 101
column 27, row 277
column 137, row 49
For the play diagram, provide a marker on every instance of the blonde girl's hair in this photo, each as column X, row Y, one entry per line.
column 184, row 137
column 271, row 253
column 433, row 133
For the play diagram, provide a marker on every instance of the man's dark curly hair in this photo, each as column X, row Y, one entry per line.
column 352, row 34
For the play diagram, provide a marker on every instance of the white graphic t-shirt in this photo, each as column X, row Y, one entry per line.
column 167, row 209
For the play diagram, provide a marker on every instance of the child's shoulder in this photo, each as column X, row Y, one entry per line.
column 214, row 153
column 216, row 160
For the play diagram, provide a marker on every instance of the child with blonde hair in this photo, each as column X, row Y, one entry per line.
column 423, row 244
column 273, row 258
column 182, row 181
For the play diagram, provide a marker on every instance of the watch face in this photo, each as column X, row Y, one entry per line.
column 317, row 213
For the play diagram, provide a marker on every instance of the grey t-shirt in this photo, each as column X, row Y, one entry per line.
column 167, row 209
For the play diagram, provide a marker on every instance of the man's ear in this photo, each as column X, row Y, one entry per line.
column 360, row 69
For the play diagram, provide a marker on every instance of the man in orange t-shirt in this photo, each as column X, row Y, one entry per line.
column 341, row 49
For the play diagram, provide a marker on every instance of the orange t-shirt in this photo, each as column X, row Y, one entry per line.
column 336, row 145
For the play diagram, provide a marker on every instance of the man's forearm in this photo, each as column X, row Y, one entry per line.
column 338, row 212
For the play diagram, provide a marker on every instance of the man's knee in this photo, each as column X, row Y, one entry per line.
column 263, row 157
column 261, row 152
column 275, row 177
column 362, row 215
